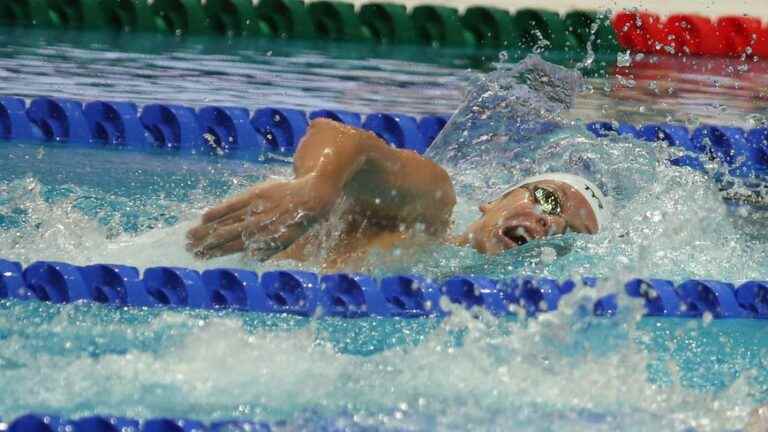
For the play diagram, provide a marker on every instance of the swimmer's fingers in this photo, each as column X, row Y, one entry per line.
column 200, row 232
column 236, row 203
column 271, row 237
column 230, row 248
column 228, row 207
column 268, row 234
column 262, row 250
column 217, row 238
column 214, row 239
column 269, row 218
column 196, row 236
column 235, row 217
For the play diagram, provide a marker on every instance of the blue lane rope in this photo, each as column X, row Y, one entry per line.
column 744, row 151
column 354, row 295
column 51, row 423
column 235, row 132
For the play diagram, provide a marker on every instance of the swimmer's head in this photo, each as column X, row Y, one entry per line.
column 538, row 207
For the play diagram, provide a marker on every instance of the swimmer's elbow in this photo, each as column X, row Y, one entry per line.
column 445, row 194
column 441, row 207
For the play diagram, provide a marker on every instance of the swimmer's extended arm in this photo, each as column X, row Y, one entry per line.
column 333, row 160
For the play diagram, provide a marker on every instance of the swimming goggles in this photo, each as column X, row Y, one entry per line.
column 547, row 200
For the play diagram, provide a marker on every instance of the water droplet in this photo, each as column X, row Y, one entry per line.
column 623, row 59
column 548, row 255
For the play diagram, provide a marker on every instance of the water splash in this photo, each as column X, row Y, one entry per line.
column 462, row 373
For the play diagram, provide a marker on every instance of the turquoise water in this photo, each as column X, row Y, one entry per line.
column 566, row 372
column 562, row 371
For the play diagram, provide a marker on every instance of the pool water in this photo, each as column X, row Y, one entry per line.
column 561, row 371
column 565, row 372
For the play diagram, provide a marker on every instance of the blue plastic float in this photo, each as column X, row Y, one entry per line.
column 346, row 117
column 281, row 128
column 14, row 122
column 227, row 130
column 400, row 130
column 61, row 120
column 115, row 123
column 172, row 126
column 102, row 424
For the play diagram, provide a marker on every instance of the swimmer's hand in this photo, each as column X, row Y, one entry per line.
column 264, row 220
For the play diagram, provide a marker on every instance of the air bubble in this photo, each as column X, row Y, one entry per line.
column 623, row 59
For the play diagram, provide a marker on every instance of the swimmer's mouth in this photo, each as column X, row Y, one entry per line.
column 513, row 236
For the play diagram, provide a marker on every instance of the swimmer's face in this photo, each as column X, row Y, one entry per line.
column 530, row 212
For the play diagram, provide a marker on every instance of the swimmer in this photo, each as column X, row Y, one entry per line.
column 388, row 195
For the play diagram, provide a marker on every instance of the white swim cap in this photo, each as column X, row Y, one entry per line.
column 586, row 188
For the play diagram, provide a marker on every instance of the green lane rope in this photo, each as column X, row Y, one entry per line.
column 586, row 25
column 286, row 19
column 440, row 26
column 491, row 27
column 180, row 17
column 232, row 17
column 388, row 23
column 377, row 22
column 336, row 20
column 128, row 15
column 542, row 29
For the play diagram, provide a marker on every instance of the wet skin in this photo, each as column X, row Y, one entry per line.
column 387, row 194
column 758, row 420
